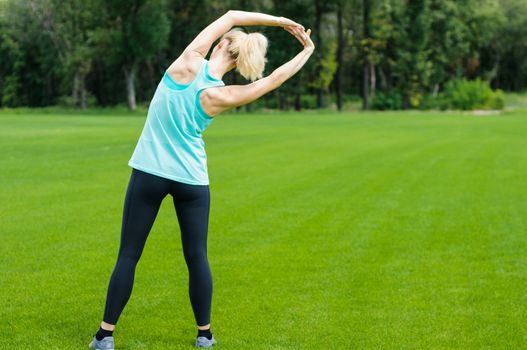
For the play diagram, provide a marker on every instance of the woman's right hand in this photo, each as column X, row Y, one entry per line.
column 304, row 37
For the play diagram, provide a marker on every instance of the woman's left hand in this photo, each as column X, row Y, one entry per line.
column 302, row 36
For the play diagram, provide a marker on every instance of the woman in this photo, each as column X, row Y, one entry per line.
column 170, row 156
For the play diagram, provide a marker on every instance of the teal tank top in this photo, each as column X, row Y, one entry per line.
column 171, row 143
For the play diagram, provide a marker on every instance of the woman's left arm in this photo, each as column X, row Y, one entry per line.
column 242, row 18
column 204, row 40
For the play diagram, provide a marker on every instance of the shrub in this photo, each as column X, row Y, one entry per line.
column 430, row 102
column 68, row 101
column 470, row 94
column 388, row 100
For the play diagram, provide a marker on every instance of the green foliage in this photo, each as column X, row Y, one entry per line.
column 460, row 94
column 506, row 52
column 10, row 70
column 283, row 47
column 134, row 32
column 69, row 102
column 430, row 101
column 129, row 35
column 459, row 31
column 471, row 94
column 52, row 48
column 327, row 66
column 391, row 100
column 449, row 34
column 412, row 69
column 10, row 85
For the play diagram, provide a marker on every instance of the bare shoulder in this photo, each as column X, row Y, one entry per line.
column 219, row 99
column 185, row 67
column 213, row 100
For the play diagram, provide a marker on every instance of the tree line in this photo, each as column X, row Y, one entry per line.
column 105, row 52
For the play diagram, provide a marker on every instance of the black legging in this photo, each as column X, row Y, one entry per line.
column 143, row 198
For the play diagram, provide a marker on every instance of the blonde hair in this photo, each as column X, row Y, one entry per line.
column 248, row 50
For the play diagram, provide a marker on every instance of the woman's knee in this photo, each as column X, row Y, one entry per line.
column 195, row 257
column 130, row 256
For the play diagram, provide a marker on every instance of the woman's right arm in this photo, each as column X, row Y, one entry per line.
column 217, row 100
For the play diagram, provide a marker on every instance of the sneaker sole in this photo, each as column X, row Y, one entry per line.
column 206, row 346
column 91, row 344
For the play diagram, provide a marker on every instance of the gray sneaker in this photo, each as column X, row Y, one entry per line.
column 105, row 343
column 203, row 342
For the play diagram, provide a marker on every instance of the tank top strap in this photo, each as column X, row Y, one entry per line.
column 201, row 81
column 204, row 79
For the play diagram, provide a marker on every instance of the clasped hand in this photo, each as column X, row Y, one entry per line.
column 299, row 32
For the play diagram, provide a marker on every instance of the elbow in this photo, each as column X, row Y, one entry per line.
column 231, row 17
column 230, row 14
column 277, row 79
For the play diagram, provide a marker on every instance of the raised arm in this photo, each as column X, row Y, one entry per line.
column 204, row 40
column 243, row 18
column 217, row 100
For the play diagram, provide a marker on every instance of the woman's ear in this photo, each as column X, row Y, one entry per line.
column 222, row 43
column 218, row 46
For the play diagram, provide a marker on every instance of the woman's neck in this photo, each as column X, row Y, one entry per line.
column 219, row 66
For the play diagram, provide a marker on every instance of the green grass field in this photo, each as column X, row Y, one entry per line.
column 328, row 231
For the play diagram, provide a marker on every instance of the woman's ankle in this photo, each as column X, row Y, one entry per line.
column 107, row 326
column 205, row 333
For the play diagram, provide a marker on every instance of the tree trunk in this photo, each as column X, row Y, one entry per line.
column 82, row 85
column 298, row 102
column 130, row 87
column 384, row 83
column 365, row 77
column 75, row 89
column 235, row 82
column 79, row 90
column 373, row 79
column 495, row 74
column 435, row 92
column 406, row 101
column 340, row 51
column 282, row 102
column 318, row 44
column 365, row 84
column 150, row 72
